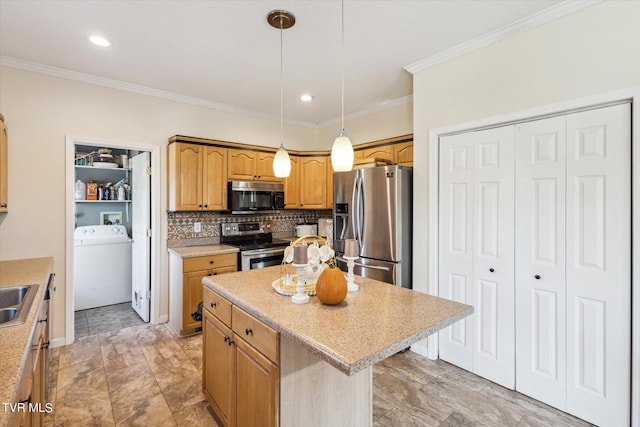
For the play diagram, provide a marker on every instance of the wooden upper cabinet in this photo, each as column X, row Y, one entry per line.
column 403, row 153
column 242, row 164
column 214, row 174
column 264, row 167
column 358, row 155
column 329, row 184
column 197, row 177
column 313, row 182
column 251, row 165
column 385, row 152
column 4, row 165
column 292, row 185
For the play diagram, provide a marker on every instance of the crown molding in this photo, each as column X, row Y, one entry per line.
column 172, row 96
column 408, row 99
column 537, row 19
column 141, row 90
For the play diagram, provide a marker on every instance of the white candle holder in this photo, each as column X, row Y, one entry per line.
column 351, row 279
column 300, row 297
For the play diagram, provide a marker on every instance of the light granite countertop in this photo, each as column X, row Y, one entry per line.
column 368, row 326
column 205, row 250
column 15, row 340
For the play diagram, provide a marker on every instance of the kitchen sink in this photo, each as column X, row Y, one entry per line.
column 15, row 303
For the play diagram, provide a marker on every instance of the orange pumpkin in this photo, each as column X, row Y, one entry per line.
column 331, row 286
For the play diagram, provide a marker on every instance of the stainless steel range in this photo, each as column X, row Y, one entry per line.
column 257, row 246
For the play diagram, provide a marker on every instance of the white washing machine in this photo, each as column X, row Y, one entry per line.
column 102, row 266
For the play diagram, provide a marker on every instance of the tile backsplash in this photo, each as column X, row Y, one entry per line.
column 181, row 224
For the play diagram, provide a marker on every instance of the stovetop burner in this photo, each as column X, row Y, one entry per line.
column 250, row 236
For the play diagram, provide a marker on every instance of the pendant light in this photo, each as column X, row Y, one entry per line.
column 282, row 20
column 342, row 150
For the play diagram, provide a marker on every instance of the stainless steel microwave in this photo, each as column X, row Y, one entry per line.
column 255, row 196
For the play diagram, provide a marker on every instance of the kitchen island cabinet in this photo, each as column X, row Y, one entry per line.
column 325, row 353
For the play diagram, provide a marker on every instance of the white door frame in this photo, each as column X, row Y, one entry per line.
column 156, row 269
column 632, row 94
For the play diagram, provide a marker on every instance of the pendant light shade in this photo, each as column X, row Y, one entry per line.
column 342, row 154
column 342, row 150
column 281, row 19
column 281, row 163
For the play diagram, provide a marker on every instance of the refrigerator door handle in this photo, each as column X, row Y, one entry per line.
column 361, row 212
column 373, row 267
column 355, row 201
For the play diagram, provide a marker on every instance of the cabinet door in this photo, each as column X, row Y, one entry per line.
column 185, row 176
column 403, row 154
column 329, row 184
column 385, row 152
column 192, row 283
column 313, row 182
column 4, row 165
column 257, row 397
column 292, row 185
column 241, row 164
column 358, row 154
column 218, row 367
column 264, row 167
column 214, row 173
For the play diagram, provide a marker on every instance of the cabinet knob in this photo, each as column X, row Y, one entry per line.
column 211, row 262
column 213, row 304
column 248, row 331
column 206, row 206
column 4, row 205
column 230, row 342
column 199, row 206
column 215, row 273
column 491, row 270
column 537, row 276
column 226, row 338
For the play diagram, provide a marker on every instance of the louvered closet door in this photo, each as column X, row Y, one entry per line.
column 540, row 260
column 599, row 265
column 476, row 250
column 456, row 243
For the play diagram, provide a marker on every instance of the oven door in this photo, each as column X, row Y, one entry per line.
column 260, row 258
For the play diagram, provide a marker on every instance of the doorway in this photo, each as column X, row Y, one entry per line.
column 113, row 168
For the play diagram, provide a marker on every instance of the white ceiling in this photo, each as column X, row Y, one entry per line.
column 222, row 53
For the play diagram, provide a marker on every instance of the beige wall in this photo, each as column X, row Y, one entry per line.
column 40, row 111
column 590, row 52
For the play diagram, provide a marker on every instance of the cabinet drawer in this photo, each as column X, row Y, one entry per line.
column 256, row 333
column 218, row 306
column 209, row 262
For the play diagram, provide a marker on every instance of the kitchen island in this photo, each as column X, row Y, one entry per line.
column 314, row 360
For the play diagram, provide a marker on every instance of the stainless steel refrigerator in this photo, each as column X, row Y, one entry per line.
column 374, row 206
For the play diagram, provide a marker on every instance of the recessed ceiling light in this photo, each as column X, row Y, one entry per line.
column 306, row 98
column 100, row 41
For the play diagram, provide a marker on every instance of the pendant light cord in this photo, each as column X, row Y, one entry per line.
column 281, row 91
column 342, row 42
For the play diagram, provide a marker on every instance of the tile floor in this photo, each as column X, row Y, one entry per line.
column 140, row 374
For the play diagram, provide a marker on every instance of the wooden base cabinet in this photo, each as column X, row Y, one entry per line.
column 240, row 365
column 185, row 276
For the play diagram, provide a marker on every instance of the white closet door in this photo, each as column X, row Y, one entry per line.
column 540, row 260
column 599, row 265
column 456, row 243
column 493, row 262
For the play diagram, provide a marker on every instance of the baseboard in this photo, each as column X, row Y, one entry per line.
column 162, row 319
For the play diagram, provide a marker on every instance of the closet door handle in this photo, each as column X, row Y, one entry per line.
column 491, row 270
column 537, row 277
